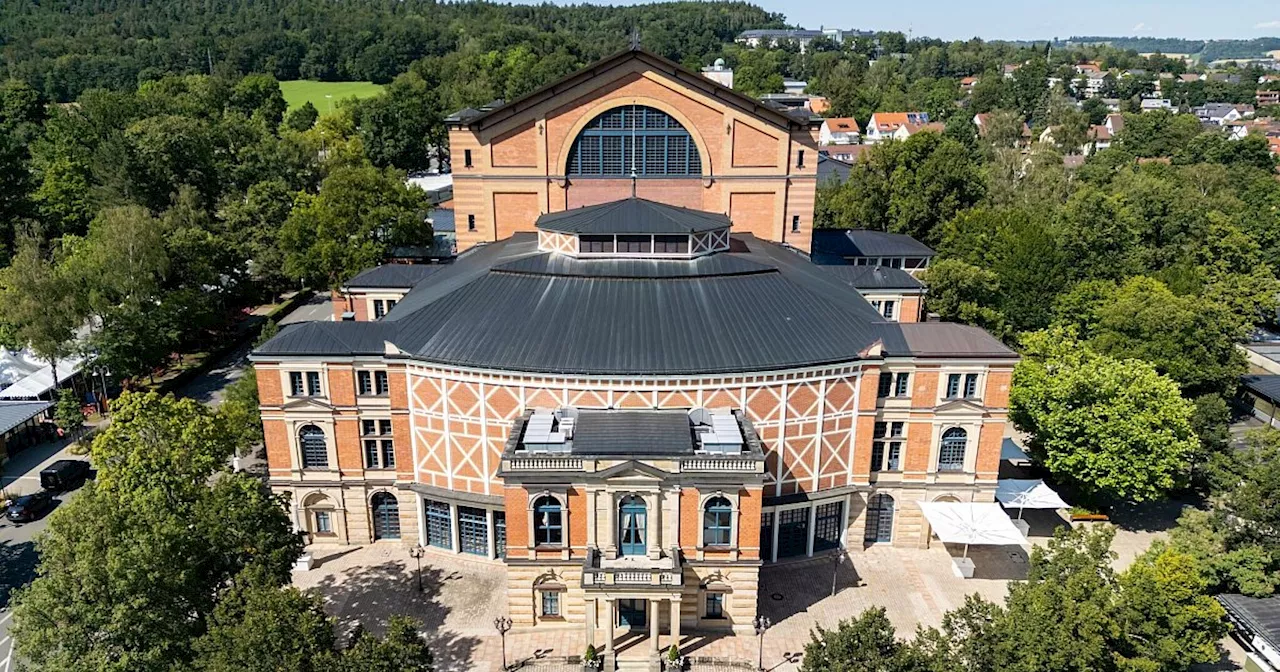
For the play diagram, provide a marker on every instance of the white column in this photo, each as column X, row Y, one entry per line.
column 777, row 518
column 654, row 605
column 844, row 523
column 813, row 516
column 453, row 528
column 610, row 607
column 422, row 519
column 492, row 533
column 653, row 520
column 675, row 623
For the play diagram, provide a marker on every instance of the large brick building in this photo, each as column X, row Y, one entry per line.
column 636, row 390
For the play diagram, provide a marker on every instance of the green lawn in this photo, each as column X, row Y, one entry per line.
column 300, row 91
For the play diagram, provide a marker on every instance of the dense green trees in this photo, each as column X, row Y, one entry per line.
column 1113, row 427
column 1074, row 613
column 187, row 564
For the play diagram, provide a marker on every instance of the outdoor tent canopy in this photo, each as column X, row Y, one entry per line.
column 1028, row 494
column 971, row 523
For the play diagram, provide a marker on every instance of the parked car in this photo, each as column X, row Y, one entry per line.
column 27, row 508
column 64, row 475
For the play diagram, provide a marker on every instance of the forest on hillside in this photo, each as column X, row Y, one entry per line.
column 1205, row 50
column 65, row 47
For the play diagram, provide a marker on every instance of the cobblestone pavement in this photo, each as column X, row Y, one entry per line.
column 462, row 597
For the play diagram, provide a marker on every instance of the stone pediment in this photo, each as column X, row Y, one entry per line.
column 307, row 404
column 959, row 407
column 633, row 471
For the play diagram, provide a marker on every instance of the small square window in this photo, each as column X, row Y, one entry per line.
column 384, row 427
column 368, row 427
column 715, row 605
column 379, row 309
column 471, row 222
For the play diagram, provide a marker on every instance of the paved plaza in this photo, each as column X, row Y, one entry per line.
column 461, row 597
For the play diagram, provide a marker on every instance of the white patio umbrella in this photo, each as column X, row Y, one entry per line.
column 1029, row 493
column 970, row 523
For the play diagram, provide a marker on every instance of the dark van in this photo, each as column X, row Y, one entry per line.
column 64, row 475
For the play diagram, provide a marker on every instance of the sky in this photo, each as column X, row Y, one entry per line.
column 1014, row 19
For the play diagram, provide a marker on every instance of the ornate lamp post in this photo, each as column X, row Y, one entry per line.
column 416, row 553
column 761, row 624
column 503, row 625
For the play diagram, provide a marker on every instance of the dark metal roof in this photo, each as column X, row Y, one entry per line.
column 1258, row 616
column 632, row 215
column 330, row 338
column 509, row 306
column 632, row 433
column 864, row 243
column 549, row 263
column 833, row 170
column 14, row 413
column 942, row 339
column 392, row 276
column 874, row 277
column 1264, row 386
column 442, row 220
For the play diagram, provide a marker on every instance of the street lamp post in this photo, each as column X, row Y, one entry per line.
column 416, row 553
column 761, row 624
column 503, row 625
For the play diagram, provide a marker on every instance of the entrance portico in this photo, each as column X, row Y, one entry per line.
column 612, row 614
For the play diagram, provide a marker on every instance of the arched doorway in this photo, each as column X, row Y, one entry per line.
column 632, row 522
column 879, row 529
column 320, row 517
column 386, row 516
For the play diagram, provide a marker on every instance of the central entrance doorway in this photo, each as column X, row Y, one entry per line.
column 632, row 523
column 631, row 614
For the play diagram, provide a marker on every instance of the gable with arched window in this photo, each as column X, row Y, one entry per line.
column 951, row 452
column 634, row 139
column 314, row 448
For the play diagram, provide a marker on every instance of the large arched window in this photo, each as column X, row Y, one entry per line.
column 315, row 454
column 634, row 139
column 717, row 522
column 951, row 453
column 548, row 522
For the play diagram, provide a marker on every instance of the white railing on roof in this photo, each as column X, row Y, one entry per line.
column 545, row 463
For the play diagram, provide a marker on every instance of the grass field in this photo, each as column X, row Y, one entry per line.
column 299, row 91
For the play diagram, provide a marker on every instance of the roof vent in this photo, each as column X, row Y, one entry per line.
column 545, row 432
column 716, row 431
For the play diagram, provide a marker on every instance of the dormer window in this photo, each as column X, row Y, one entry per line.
column 595, row 244
column 633, row 227
column 635, row 244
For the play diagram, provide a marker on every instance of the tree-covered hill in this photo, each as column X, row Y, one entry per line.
column 1205, row 50
column 64, row 47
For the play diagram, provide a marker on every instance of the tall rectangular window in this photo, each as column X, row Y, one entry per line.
column 886, row 384
column 295, row 384
column 550, row 604
column 902, row 387
column 715, row 605
column 953, row 385
column 887, row 308
column 471, row 222
column 800, row 159
column 313, row 383
column 795, row 223
column 380, row 384
column 466, row 158
column 324, row 525
column 364, row 383
column 970, row 385
column 379, row 309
